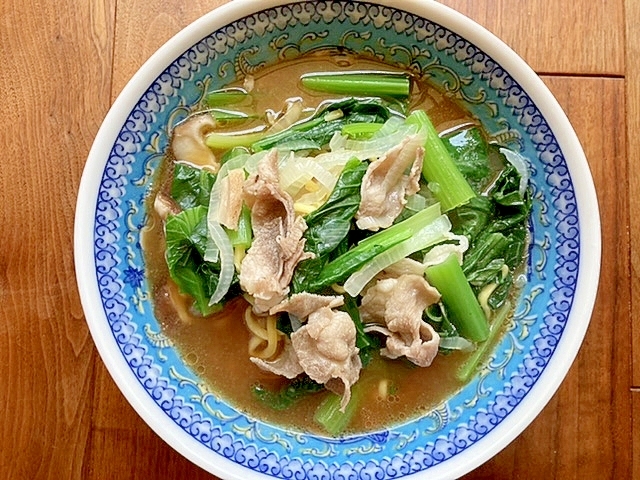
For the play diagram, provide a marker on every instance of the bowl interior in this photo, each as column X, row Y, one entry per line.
column 466, row 63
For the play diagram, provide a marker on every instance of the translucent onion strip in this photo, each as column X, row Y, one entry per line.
column 440, row 253
column 456, row 343
column 227, row 268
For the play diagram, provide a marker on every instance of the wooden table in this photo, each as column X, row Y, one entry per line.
column 63, row 64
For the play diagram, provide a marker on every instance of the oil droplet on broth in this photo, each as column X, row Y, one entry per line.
column 191, row 358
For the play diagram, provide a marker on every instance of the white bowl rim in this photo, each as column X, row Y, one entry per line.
column 590, row 239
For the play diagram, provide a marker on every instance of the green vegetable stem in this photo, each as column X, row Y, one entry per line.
column 381, row 84
column 226, row 96
column 449, row 185
column 467, row 370
column 457, row 295
column 329, row 415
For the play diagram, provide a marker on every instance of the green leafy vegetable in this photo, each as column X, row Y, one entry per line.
column 329, row 119
column 496, row 227
column 224, row 117
column 186, row 237
column 329, row 415
column 243, row 235
column 361, row 130
column 434, row 231
column 289, row 394
column 328, row 226
column 191, row 186
column 226, row 96
column 467, row 370
column 365, row 343
column 469, row 151
column 338, row 269
column 225, row 141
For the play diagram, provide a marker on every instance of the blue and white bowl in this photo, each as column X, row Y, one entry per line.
column 468, row 63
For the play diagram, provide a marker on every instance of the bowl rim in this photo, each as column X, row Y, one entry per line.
column 590, row 237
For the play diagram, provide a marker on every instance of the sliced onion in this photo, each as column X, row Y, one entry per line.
column 326, row 178
column 430, row 234
column 416, row 202
column 292, row 113
column 440, row 253
column 455, row 343
column 227, row 268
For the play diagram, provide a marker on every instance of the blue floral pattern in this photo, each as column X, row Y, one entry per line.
column 462, row 71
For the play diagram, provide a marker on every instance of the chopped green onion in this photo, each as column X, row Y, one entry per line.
column 462, row 305
column 378, row 84
column 448, row 184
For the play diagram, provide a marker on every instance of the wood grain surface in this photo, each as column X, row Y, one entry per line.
column 64, row 63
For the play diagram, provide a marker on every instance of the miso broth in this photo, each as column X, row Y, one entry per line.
column 216, row 347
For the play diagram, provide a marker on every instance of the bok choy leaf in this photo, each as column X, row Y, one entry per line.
column 191, row 186
column 186, row 237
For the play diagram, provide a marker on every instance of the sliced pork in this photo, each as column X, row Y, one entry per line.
column 278, row 246
column 303, row 304
column 286, row 364
column 231, row 194
column 326, row 349
column 386, row 184
column 394, row 306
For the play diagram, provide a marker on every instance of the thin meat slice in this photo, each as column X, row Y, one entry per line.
column 304, row 304
column 326, row 349
column 394, row 306
column 231, row 194
column 286, row 364
column 188, row 142
column 278, row 246
column 386, row 184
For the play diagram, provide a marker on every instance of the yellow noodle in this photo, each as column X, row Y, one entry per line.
column 383, row 388
column 265, row 337
column 254, row 324
column 239, row 252
column 483, row 298
column 272, row 341
column 256, row 346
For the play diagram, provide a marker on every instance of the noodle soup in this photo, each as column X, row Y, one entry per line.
column 407, row 363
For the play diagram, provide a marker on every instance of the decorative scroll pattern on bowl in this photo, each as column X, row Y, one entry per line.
column 461, row 70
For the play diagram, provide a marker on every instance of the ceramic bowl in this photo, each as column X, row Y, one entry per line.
column 464, row 61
